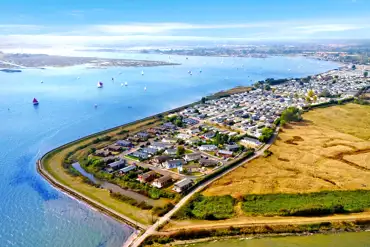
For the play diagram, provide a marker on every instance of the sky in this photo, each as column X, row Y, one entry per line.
column 145, row 22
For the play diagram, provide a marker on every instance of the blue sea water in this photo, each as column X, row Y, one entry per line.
column 35, row 214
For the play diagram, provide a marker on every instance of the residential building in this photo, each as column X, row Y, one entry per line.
column 161, row 159
column 116, row 165
column 124, row 143
column 146, row 177
column 207, row 148
column 192, row 157
column 225, row 153
column 233, row 148
column 162, row 182
column 170, row 164
column 250, row 142
column 208, row 162
column 127, row 169
column 171, row 151
column 182, row 185
column 103, row 153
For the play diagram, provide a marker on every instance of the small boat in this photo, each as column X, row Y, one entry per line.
column 126, row 83
column 112, row 78
column 78, row 77
column 42, row 81
column 100, row 84
column 200, row 71
column 144, row 88
column 190, row 73
column 35, row 102
column 142, row 72
column 121, row 84
column 96, row 106
column 187, row 58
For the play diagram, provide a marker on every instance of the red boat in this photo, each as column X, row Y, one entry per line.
column 35, row 102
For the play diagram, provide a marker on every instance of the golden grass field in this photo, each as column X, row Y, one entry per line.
column 329, row 150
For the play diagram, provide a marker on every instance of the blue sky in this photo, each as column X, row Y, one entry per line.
column 128, row 21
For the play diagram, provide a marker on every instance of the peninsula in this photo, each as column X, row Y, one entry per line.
column 168, row 172
column 18, row 61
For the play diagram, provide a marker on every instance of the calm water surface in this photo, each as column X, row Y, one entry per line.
column 35, row 214
column 361, row 239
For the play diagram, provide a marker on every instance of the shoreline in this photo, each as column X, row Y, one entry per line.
column 331, row 231
column 96, row 205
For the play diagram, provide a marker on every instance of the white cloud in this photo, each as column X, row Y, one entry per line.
column 310, row 29
column 127, row 33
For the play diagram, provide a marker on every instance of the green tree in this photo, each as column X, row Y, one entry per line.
column 267, row 87
column 180, row 150
column 366, row 73
column 314, row 98
column 203, row 100
column 266, row 134
column 291, row 114
column 310, row 93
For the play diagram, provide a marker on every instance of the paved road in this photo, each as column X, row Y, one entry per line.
column 152, row 229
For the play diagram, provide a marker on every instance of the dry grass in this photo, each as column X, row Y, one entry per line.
column 330, row 150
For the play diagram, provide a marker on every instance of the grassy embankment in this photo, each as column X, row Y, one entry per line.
column 328, row 153
column 53, row 164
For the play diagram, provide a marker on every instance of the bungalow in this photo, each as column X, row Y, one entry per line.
column 170, row 164
column 250, row 142
column 140, row 155
column 160, row 145
column 127, row 169
column 146, row 177
column 192, row 168
column 116, row 165
column 192, row 157
column 143, row 135
column 208, row 162
column 161, row 159
column 209, row 135
column 114, row 148
column 225, row 153
column 190, row 121
column 232, row 148
column 169, row 125
column 171, row 151
column 183, row 136
column 162, row 182
column 102, row 153
column 149, row 150
column 124, row 143
column 182, row 185
column 169, row 140
column 207, row 148
column 193, row 131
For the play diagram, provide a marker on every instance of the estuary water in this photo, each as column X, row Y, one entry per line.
column 34, row 214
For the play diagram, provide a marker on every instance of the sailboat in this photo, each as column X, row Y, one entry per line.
column 100, row 84
column 200, row 71
column 121, row 84
column 42, row 81
column 126, row 83
column 35, row 102
column 142, row 72
column 144, row 88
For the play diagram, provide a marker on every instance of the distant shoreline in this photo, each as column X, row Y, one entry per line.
column 40, row 61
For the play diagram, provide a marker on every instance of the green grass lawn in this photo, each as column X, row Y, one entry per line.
column 310, row 204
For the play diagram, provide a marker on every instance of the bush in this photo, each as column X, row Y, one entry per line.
column 129, row 200
column 291, row 114
column 309, row 204
column 208, row 208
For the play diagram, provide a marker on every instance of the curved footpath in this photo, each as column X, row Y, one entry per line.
column 79, row 196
